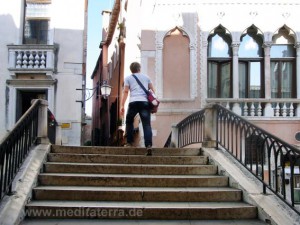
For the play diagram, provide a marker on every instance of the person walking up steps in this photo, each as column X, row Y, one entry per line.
column 138, row 103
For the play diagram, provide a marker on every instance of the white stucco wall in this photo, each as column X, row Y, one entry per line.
column 66, row 31
column 10, row 14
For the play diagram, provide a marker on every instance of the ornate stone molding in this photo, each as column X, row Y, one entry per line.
column 267, row 44
column 235, row 48
column 221, row 14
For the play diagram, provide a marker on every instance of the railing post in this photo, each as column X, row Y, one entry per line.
column 11, row 59
column 174, row 137
column 298, row 110
column 42, row 136
column 237, row 109
column 58, row 140
column 210, row 130
column 268, row 111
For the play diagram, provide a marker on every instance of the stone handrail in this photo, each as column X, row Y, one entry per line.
column 31, row 59
column 261, row 107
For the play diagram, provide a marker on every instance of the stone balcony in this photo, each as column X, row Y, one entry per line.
column 31, row 59
column 260, row 107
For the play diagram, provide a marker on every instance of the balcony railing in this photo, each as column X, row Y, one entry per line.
column 260, row 107
column 31, row 59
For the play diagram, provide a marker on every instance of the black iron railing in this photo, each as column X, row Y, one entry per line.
column 271, row 160
column 168, row 141
column 191, row 129
column 15, row 147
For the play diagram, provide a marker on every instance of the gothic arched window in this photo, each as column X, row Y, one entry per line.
column 251, row 64
column 219, row 64
column 283, row 71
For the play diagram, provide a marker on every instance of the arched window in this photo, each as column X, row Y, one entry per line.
column 283, row 75
column 176, row 60
column 219, row 64
column 251, row 64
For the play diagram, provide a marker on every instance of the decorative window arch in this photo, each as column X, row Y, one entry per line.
column 160, row 36
column 283, row 64
column 251, row 69
column 219, row 65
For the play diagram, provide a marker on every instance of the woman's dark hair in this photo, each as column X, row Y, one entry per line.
column 135, row 67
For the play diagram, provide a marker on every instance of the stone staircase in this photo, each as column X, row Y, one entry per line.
column 113, row 183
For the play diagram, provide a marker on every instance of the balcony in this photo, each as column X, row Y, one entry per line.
column 260, row 107
column 31, row 59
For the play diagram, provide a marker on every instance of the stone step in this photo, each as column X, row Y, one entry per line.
column 124, row 151
column 132, row 180
column 138, row 222
column 63, row 167
column 141, row 210
column 150, row 194
column 126, row 159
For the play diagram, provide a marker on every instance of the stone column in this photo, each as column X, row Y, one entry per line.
column 204, row 74
column 42, row 134
column 268, row 111
column 159, row 70
column 235, row 77
column 210, row 133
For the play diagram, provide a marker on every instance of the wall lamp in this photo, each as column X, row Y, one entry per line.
column 105, row 89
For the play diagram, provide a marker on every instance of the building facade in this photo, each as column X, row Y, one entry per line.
column 109, row 70
column 242, row 54
column 43, row 47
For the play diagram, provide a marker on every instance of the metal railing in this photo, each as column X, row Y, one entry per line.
column 266, row 156
column 274, row 162
column 15, row 147
column 191, row 129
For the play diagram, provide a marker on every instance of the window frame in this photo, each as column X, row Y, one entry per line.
column 293, row 87
column 247, row 62
column 219, row 62
column 38, row 40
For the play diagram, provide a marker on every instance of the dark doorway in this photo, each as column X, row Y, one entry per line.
column 24, row 98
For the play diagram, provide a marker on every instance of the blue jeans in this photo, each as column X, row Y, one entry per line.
column 144, row 111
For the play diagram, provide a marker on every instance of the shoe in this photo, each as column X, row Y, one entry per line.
column 149, row 151
column 128, row 145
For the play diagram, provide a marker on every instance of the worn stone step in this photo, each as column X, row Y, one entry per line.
column 75, row 193
column 141, row 210
column 131, row 180
column 123, row 151
column 126, row 159
column 138, row 222
column 63, row 167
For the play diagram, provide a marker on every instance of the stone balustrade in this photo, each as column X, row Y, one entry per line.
column 260, row 107
column 31, row 59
